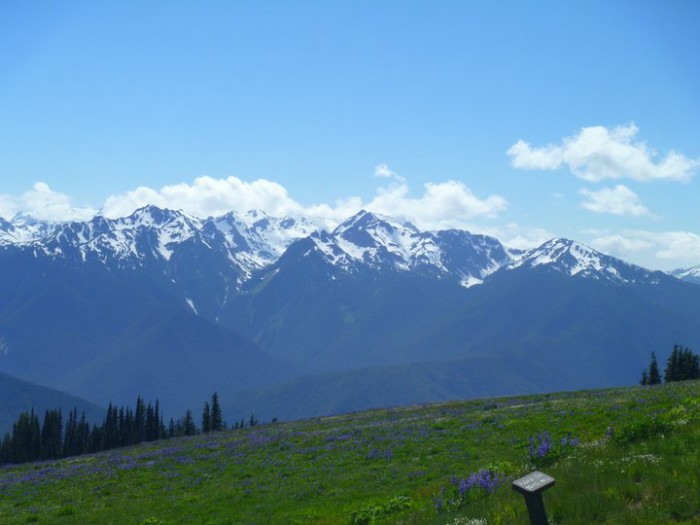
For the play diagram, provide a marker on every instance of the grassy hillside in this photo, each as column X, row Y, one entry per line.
column 618, row 456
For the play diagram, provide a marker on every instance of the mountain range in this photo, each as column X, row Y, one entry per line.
column 295, row 316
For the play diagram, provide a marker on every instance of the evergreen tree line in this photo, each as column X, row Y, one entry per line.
column 681, row 365
column 121, row 427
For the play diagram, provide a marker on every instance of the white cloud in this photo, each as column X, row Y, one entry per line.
column 658, row 250
column 8, row 206
column 383, row 171
column 619, row 200
column 207, row 196
column 445, row 204
column 42, row 203
column 619, row 245
column 526, row 157
column 677, row 246
column 521, row 237
column 597, row 153
column 442, row 205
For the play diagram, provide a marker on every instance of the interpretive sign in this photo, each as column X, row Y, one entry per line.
column 533, row 482
column 532, row 486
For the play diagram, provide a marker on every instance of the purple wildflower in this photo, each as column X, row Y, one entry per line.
column 485, row 480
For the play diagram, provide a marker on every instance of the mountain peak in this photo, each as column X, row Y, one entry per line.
column 361, row 219
column 23, row 219
column 688, row 274
column 152, row 215
column 365, row 221
column 577, row 259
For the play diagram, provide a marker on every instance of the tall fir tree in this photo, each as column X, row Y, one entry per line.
column 206, row 418
column 51, row 435
column 644, row 381
column 654, row 375
column 672, row 370
column 189, row 428
column 70, row 441
column 217, row 422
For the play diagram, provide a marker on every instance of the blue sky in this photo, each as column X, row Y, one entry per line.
column 524, row 120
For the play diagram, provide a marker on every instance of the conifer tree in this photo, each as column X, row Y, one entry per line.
column 159, row 428
column 644, row 381
column 672, row 372
column 25, row 442
column 51, row 435
column 189, row 428
column 96, row 439
column 206, row 418
column 216, row 419
column 110, row 435
column 654, row 375
column 70, row 442
column 682, row 365
column 83, row 435
column 139, row 421
column 151, row 424
column 5, row 447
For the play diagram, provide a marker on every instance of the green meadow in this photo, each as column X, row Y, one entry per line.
column 619, row 456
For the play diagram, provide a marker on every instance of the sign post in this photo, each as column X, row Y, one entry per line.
column 532, row 486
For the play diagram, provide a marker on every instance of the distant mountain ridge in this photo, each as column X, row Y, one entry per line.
column 17, row 396
column 689, row 274
column 576, row 259
column 167, row 305
column 253, row 241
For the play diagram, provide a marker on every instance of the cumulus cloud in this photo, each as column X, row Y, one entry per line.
column 8, row 206
column 442, row 205
column 676, row 246
column 620, row 245
column 666, row 250
column 43, row 203
column 207, row 196
column 619, row 200
column 597, row 153
column 383, row 171
column 445, row 204
column 517, row 236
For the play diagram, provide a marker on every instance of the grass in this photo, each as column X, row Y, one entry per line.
column 619, row 456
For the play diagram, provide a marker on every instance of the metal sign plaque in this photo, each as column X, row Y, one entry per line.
column 533, row 483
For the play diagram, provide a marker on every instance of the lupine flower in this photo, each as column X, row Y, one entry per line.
column 543, row 449
column 485, row 479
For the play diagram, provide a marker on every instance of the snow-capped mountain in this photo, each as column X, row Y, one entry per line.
column 688, row 274
column 243, row 244
column 255, row 239
column 578, row 260
column 368, row 242
column 23, row 228
column 252, row 241
column 152, row 235
column 203, row 261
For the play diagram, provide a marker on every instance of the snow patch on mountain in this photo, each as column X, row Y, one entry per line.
column 687, row 274
column 379, row 243
column 575, row 259
column 244, row 244
column 190, row 303
column 24, row 229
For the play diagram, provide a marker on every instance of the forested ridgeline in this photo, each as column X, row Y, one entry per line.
column 123, row 426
